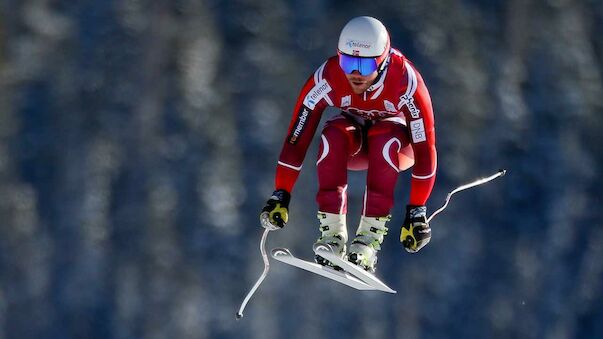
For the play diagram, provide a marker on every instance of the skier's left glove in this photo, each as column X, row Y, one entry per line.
column 415, row 232
column 275, row 214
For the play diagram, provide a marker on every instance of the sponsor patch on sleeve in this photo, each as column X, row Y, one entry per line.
column 409, row 101
column 300, row 122
column 417, row 131
column 317, row 93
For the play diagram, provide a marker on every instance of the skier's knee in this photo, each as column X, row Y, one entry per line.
column 389, row 129
column 390, row 152
column 335, row 131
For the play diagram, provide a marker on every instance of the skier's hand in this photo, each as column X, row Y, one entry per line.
column 415, row 232
column 275, row 214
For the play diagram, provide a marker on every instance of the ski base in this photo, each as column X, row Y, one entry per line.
column 285, row 256
column 327, row 252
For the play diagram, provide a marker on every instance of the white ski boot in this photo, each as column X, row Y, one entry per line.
column 334, row 233
column 366, row 244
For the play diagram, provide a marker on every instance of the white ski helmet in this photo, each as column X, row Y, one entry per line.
column 364, row 37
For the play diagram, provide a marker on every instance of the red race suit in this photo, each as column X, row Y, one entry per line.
column 386, row 129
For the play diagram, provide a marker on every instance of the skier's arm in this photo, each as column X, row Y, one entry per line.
column 415, row 232
column 306, row 116
column 311, row 103
column 419, row 116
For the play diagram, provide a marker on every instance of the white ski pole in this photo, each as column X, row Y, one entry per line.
column 261, row 278
column 477, row 182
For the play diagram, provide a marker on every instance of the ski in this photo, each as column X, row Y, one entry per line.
column 285, row 256
column 326, row 252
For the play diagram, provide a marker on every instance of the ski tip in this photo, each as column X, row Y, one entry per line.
column 502, row 171
column 239, row 315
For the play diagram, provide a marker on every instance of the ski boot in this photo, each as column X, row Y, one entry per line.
column 366, row 244
column 334, row 233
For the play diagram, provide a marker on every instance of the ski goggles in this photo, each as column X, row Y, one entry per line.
column 364, row 65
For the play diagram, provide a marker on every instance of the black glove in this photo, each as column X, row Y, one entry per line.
column 275, row 214
column 415, row 232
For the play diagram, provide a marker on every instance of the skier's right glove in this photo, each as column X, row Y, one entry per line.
column 275, row 214
column 415, row 232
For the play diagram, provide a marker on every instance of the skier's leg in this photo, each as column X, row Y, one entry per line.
column 386, row 141
column 340, row 139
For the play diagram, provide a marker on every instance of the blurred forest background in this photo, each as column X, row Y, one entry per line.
column 138, row 142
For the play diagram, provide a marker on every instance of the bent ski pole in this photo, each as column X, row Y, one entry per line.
column 261, row 278
column 477, row 182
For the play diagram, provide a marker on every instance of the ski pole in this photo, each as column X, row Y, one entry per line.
column 477, row 182
column 261, row 278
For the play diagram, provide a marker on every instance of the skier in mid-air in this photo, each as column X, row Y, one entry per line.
column 386, row 125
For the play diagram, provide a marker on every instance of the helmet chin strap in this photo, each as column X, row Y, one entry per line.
column 384, row 64
column 381, row 69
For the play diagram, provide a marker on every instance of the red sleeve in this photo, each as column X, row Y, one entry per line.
column 308, row 110
column 421, row 125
